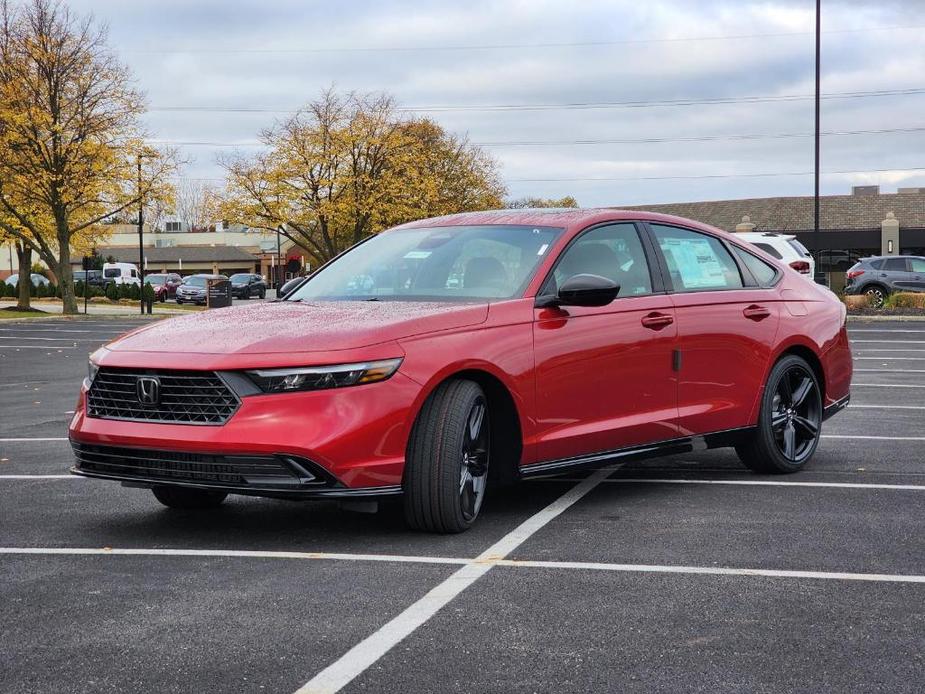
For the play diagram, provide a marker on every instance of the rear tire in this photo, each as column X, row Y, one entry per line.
column 188, row 499
column 790, row 420
column 446, row 468
column 876, row 294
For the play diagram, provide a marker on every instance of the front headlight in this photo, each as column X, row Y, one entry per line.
column 91, row 371
column 323, row 377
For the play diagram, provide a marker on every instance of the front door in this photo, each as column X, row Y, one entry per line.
column 604, row 378
column 917, row 284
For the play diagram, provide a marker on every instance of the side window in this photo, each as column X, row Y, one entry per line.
column 613, row 251
column 770, row 250
column 764, row 273
column 918, row 264
column 696, row 261
column 877, row 264
column 895, row 265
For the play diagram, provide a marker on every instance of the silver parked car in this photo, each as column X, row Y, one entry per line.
column 880, row 276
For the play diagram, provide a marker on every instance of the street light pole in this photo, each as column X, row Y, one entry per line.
column 141, row 245
column 816, row 241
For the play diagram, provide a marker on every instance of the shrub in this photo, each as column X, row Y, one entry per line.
column 40, row 291
column 147, row 292
column 112, row 291
column 855, row 301
column 134, row 292
column 905, row 300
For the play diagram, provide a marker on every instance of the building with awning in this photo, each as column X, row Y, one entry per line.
column 185, row 260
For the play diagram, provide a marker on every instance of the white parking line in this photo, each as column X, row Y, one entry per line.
column 852, row 331
column 712, row 571
column 891, row 341
column 41, row 477
column 487, row 563
column 886, row 407
column 355, row 661
column 58, row 438
column 45, row 347
column 874, row 438
column 747, row 483
column 890, row 371
column 890, row 358
column 886, row 385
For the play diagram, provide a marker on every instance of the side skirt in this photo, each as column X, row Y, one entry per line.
column 836, row 407
column 687, row 444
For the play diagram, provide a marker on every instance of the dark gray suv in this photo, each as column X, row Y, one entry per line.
column 880, row 276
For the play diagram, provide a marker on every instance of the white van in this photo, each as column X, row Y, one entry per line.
column 121, row 273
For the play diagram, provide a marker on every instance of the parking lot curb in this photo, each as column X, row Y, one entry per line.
column 883, row 319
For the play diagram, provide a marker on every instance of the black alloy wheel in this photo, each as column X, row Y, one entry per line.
column 790, row 421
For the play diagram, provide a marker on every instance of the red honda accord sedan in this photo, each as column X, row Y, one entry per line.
column 448, row 355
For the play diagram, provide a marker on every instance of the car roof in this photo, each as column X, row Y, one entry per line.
column 568, row 218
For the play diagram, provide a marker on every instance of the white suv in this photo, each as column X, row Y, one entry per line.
column 783, row 247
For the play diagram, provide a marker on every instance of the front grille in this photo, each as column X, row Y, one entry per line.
column 178, row 466
column 185, row 397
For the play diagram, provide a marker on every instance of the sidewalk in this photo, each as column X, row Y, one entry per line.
column 55, row 307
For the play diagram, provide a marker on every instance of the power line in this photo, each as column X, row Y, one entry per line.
column 765, row 174
column 579, row 105
column 709, row 176
column 645, row 140
column 505, row 46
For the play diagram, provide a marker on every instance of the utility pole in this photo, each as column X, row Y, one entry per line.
column 279, row 271
column 141, row 245
column 816, row 240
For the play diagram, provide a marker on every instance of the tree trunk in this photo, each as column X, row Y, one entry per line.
column 66, row 281
column 24, row 256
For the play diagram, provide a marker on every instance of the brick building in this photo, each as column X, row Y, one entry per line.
column 866, row 222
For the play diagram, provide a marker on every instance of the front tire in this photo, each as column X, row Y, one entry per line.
column 188, row 499
column 790, row 420
column 446, row 468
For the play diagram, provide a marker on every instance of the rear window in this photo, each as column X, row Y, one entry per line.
column 770, row 250
column 895, row 265
column 764, row 274
column 113, row 272
column 799, row 247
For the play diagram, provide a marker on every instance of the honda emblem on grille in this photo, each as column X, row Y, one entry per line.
column 148, row 390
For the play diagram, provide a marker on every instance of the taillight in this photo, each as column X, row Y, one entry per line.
column 851, row 274
column 801, row 266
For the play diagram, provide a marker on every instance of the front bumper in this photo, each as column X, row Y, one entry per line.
column 352, row 439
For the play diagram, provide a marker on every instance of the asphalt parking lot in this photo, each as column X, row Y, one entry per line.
column 680, row 574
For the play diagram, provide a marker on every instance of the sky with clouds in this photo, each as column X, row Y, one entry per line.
column 218, row 71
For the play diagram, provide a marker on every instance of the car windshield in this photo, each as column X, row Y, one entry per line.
column 460, row 263
column 195, row 281
column 240, row 277
column 155, row 279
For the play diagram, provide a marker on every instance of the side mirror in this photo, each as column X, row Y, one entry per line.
column 586, row 290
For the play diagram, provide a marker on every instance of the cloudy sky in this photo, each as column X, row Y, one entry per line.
column 545, row 85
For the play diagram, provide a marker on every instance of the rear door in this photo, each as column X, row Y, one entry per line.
column 895, row 273
column 727, row 323
column 604, row 375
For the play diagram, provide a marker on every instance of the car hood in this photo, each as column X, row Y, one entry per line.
column 289, row 326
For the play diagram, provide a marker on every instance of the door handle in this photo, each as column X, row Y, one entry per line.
column 657, row 321
column 756, row 313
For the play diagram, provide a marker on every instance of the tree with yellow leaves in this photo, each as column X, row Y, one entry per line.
column 69, row 135
column 346, row 166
